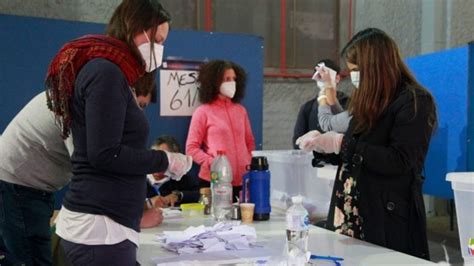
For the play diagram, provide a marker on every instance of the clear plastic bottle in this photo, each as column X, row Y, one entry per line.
column 221, row 187
column 297, row 231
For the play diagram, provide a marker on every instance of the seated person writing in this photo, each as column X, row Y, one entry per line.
column 166, row 192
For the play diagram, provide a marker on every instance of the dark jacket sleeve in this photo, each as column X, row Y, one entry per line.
column 190, row 196
column 301, row 126
column 106, row 101
column 188, row 185
column 343, row 99
column 408, row 143
column 150, row 190
column 191, row 190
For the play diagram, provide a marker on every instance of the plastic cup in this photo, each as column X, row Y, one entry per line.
column 246, row 212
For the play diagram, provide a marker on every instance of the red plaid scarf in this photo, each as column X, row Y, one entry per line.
column 71, row 58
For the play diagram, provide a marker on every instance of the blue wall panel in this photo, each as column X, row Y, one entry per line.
column 445, row 75
column 470, row 109
column 27, row 46
column 30, row 43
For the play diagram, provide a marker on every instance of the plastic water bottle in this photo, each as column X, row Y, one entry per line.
column 297, row 222
column 221, row 187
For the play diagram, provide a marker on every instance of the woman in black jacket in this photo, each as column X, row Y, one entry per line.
column 377, row 192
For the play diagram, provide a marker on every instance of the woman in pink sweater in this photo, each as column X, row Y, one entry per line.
column 221, row 123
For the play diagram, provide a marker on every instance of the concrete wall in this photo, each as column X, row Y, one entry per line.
column 461, row 22
column 401, row 19
column 418, row 26
column 281, row 102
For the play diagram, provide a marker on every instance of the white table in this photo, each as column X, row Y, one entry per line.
column 321, row 242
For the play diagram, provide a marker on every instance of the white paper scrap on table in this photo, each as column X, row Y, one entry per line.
column 209, row 242
column 222, row 236
column 179, row 236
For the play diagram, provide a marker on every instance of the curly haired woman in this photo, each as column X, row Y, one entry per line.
column 221, row 123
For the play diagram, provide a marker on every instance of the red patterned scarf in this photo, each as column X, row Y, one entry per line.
column 71, row 58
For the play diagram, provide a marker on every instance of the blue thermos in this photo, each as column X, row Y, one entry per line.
column 256, row 187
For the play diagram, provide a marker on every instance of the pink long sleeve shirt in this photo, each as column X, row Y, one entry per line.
column 221, row 125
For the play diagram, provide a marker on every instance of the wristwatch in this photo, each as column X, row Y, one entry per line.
column 178, row 194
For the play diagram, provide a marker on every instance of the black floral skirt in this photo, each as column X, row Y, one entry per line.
column 347, row 219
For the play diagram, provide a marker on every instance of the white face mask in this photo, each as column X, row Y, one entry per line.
column 153, row 59
column 355, row 78
column 228, row 89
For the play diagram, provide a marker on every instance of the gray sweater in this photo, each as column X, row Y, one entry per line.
column 32, row 152
column 333, row 118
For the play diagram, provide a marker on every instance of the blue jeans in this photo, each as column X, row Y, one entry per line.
column 24, row 224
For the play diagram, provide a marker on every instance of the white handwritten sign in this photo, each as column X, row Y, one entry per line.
column 178, row 92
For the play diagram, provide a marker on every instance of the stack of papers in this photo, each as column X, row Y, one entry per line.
column 220, row 237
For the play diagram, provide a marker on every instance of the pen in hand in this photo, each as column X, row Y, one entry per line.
column 149, row 203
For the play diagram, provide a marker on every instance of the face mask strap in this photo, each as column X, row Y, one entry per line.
column 152, row 54
column 146, row 36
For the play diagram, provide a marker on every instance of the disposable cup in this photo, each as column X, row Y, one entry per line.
column 246, row 211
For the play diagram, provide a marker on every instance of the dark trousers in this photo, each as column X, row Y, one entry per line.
column 123, row 253
column 235, row 189
column 24, row 225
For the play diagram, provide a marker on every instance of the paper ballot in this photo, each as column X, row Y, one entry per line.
column 332, row 73
column 220, row 237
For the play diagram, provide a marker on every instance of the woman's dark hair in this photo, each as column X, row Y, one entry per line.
column 168, row 140
column 132, row 17
column 382, row 74
column 211, row 76
column 143, row 88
